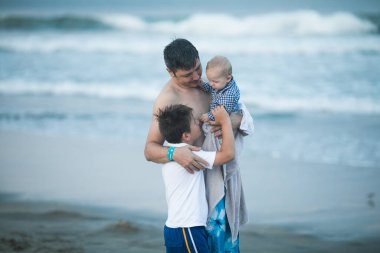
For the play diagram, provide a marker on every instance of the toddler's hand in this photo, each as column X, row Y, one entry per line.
column 204, row 117
column 201, row 83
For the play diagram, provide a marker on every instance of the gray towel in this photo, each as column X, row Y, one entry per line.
column 225, row 181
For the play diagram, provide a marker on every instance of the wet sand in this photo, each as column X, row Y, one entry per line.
column 67, row 192
column 53, row 227
column 27, row 226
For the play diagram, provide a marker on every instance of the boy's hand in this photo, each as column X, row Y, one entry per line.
column 220, row 115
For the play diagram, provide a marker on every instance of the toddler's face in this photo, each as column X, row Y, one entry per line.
column 217, row 79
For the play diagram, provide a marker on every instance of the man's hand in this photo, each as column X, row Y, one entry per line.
column 187, row 159
column 216, row 129
column 236, row 118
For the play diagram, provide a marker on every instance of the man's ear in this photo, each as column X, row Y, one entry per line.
column 171, row 73
column 229, row 78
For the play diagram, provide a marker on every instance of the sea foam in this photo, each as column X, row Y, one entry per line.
column 303, row 22
column 302, row 32
column 113, row 91
column 138, row 90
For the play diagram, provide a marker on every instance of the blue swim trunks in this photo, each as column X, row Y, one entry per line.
column 186, row 240
column 219, row 232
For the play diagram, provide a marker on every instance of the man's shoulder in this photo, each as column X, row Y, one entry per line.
column 166, row 97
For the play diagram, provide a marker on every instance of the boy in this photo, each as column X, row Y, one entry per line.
column 184, row 229
column 221, row 85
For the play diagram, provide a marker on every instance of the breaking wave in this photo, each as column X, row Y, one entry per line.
column 283, row 104
column 304, row 22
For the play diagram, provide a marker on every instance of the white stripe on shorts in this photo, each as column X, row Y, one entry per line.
column 192, row 240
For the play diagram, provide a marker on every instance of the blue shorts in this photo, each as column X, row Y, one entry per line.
column 186, row 240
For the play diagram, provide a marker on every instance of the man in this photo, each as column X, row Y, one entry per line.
column 184, row 87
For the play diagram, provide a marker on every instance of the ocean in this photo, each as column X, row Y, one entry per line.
column 311, row 80
column 310, row 77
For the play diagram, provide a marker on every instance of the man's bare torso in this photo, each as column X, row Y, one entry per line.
column 193, row 97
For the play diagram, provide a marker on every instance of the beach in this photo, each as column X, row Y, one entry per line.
column 65, row 222
column 56, row 227
column 78, row 82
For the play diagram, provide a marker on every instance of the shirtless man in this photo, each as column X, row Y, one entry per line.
column 185, row 70
column 184, row 87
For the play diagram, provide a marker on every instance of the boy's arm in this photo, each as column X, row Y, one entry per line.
column 227, row 149
column 242, row 122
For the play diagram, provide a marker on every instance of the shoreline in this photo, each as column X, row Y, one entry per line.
column 30, row 226
column 74, row 194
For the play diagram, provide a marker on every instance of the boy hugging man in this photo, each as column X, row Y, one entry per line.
column 184, row 230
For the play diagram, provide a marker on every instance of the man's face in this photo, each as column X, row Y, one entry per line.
column 190, row 78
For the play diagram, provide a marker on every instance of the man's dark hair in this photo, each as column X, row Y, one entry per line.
column 173, row 121
column 180, row 54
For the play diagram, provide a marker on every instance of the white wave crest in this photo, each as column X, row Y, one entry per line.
column 79, row 43
column 134, row 89
column 154, row 45
column 126, row 22
column 305, row 22
column 118, row 91
column 316, row 104
column 303, row 32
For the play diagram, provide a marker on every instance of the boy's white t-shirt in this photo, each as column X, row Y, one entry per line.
column 186, row 193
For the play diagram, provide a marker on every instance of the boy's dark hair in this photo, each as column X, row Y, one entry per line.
column 173, row 121
column 180, row 54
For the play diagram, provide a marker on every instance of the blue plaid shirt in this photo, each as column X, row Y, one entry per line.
column 228, row 96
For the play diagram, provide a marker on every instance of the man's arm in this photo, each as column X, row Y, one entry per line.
column 154, row 151
column 235, row 119
column 246, row 125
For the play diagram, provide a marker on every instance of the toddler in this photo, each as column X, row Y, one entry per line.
column 224, row 91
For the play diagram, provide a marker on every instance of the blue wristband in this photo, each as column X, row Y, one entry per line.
column 169, row 154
